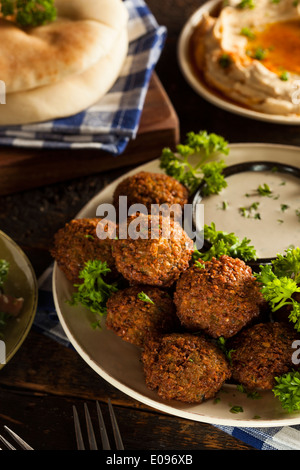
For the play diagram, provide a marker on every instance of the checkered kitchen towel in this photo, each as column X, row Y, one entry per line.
column 276, row 438
column 114, row 120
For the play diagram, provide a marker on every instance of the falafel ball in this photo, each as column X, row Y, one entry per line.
column 136, row 320
column 151, row 188
column 77, row 242
column 262, row 352
column 152, row 251
column 219, row 298
column 184, row 367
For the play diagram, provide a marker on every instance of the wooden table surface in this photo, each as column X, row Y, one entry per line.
column 42, row 381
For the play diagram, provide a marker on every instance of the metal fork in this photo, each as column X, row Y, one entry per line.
column 18, row 439
column 103, row 432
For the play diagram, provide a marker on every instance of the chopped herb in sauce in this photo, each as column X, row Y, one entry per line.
column 248, row 33
column 246, row 4
column 264, row 190
column 248, row 211
column 284, row 76
column 284, row 207
column 225, row 61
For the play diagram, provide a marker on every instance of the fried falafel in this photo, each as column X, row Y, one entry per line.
column 184, row 367
column 136, row 320
column 155, row 254
column 149, row 188
column 77, row 242
column 262, row 352
column 219, row 298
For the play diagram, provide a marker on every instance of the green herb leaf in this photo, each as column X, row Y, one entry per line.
column 236, row 409
column 287, row 390
column 29, row 13
column 225, row 61
column 94, row 291
column 223, row 243
column 288, row 264
column 264, row 190
column 4, row 268
column 248, row 33
column 280, row 282
column 144, row 297
column 205, row 146
column 246, row 4
column 284, row 76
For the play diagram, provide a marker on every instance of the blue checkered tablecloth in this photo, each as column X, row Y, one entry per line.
column 112, row 122
column 275, row 438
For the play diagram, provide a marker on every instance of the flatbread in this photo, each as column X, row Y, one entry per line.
column 71, row 95
column 83, row 34
column 60, row 69
column 113, row 13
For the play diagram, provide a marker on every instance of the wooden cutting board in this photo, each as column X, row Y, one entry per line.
column 26, row 168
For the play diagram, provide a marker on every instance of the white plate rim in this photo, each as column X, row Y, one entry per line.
column 164, row 407
column 197, row 86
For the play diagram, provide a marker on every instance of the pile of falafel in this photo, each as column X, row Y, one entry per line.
column 185, row 308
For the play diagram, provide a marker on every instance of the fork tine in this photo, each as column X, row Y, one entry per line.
column 18, row 439
column 90, row 429
column 117, row 435
column 79, row 440
column 104, row 438
column 6, row 443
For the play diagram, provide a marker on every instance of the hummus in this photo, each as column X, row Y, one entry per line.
column 250, row 54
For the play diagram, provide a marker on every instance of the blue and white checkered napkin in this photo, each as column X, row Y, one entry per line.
column 276, row 438
column 114, row 120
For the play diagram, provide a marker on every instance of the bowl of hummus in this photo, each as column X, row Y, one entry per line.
column 242, row 56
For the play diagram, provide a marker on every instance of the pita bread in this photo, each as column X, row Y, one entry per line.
column 62, row 68
column 113, row 13
column 71, row 95
column 83, row 34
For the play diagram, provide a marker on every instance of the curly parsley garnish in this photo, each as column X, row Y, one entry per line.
column 29, row 13
column 287, row 390
column 94, row 291
column 223, row 243
column 280, row 281
column 204, row 146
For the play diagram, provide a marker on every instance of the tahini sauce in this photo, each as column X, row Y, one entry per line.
column 273, row 226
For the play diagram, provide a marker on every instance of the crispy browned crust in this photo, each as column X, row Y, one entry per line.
column 135, row 320
column 184, row 367
column 220, row 298
column 76, row 243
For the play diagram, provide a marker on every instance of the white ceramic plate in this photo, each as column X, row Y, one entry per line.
column 119, row 363
column 203, row 89
column 21, row 282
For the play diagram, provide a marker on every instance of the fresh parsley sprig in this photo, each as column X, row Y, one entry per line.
column 223, row 243
column 206, row 146
column 94, row 291
column 288, row 264
column 287, row 390
column 280, row 281
column 29, row 13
